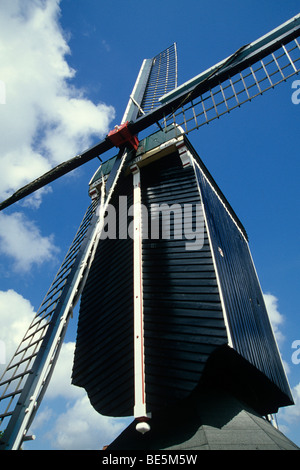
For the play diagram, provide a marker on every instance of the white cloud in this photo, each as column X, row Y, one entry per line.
column 66, row 419
column 292, row 413
column 60, row 385
column 16, row 314
column 276, row 318
column 81, row 427
column 289, row 416
column 21, row 240
column 34, row 200
column 46, row 119
column 78, row 426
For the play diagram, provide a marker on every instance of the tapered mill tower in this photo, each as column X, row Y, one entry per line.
column 172, row 328
column 205, row 331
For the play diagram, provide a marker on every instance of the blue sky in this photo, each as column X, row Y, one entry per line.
column 68, row 68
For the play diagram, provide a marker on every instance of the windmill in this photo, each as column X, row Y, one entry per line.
column 187, row 308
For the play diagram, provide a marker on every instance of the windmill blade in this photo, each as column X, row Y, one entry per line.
column 249, row 72
column 156, row 77
column 57, row 172
column 162, row 79
column 27, row 376
column 230, row 93
column 24, row 382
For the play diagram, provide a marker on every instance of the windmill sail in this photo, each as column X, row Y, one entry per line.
column 157, row 77
column 57, row 172
column 162, row 79
column 247, row 73
column 26, row 377
column 225, row 90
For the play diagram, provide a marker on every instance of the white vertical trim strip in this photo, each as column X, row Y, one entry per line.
column 124, row 119
column 139, row 373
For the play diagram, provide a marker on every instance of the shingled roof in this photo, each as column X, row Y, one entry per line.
column 210, row 419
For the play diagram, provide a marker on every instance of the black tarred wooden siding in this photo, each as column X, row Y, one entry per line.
column 103, row 362
column 184, row 312
column 183, row 317
column 250, row 329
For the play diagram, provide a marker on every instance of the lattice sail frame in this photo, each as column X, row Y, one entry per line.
column 162, row 79
column 233, row 91
column 26, row 377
